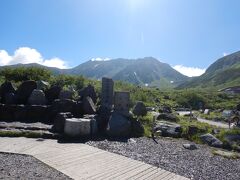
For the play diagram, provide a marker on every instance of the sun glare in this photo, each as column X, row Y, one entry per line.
column 136, row 4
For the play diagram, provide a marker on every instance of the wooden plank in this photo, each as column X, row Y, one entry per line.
column 80, row 161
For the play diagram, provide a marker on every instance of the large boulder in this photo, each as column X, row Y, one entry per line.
column 25, row 90
column 10, row 98
column 165, row 109
column 6, row 88
column 211, row 140
column 59, row 121
column 88, row 91
column 118, row 126
column 140, row 109
column 168, row 129
column 37, row 98
column 64, row 105
column 52, row 93
column 42, row 85
column 88, row 106
column 168, row 117
column 66, row 94
column 232, row 138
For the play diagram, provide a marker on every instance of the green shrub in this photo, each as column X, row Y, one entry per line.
column 25, row 73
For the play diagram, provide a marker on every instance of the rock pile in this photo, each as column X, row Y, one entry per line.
column 73, row 116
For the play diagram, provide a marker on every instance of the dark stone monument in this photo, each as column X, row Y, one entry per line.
column 107, row 92
column 106, row 103
column 121, row 102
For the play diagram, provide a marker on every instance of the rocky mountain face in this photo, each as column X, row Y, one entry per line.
column 222, row 73
column 144, row 71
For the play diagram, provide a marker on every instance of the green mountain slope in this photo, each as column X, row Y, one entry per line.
column 150, row 71
column 222, row 73
column 144, row 71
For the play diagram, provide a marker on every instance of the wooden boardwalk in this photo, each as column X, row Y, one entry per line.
column 81, row 161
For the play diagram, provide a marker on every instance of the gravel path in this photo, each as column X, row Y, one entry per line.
column 16, row 166
column 170, row 155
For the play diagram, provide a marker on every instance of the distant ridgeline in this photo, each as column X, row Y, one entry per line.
column 225, row 72
column 148, row 71
column 144, row 72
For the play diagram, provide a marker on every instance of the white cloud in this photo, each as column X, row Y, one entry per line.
column 189, row 71
column 225, row 54
column 100, row 59
column 25, row 55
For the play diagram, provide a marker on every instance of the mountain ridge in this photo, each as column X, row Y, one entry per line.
column 142, row 71
column 222, row 73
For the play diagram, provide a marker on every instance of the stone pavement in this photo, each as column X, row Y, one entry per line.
column 81, row 161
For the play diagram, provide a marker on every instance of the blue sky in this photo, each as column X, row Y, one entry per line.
column 64, row 33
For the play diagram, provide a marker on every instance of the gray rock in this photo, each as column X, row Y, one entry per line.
column 25, row 90
column 42, row 85
column 232, row 138
column 207, row 111
column 168, row 117
column 94, row 124
column 168, row 129
column 88, row 106
column 190, row 146
column 122, row 102
column 10, row 98
column 137, row 128
column 211, row 140
column 59, row 121
column 75, row 127
column 165, row 109
column 64, row 105
column 118, row 126
column 52, row 93
column 216, row 131
column 140, row 109
column 66, row 94
column 131, row 140
column 88, row 91
column 6, row 88
column 37, row 98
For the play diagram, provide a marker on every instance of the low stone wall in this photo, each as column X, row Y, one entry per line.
column 39, row 113
column 26, row 113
